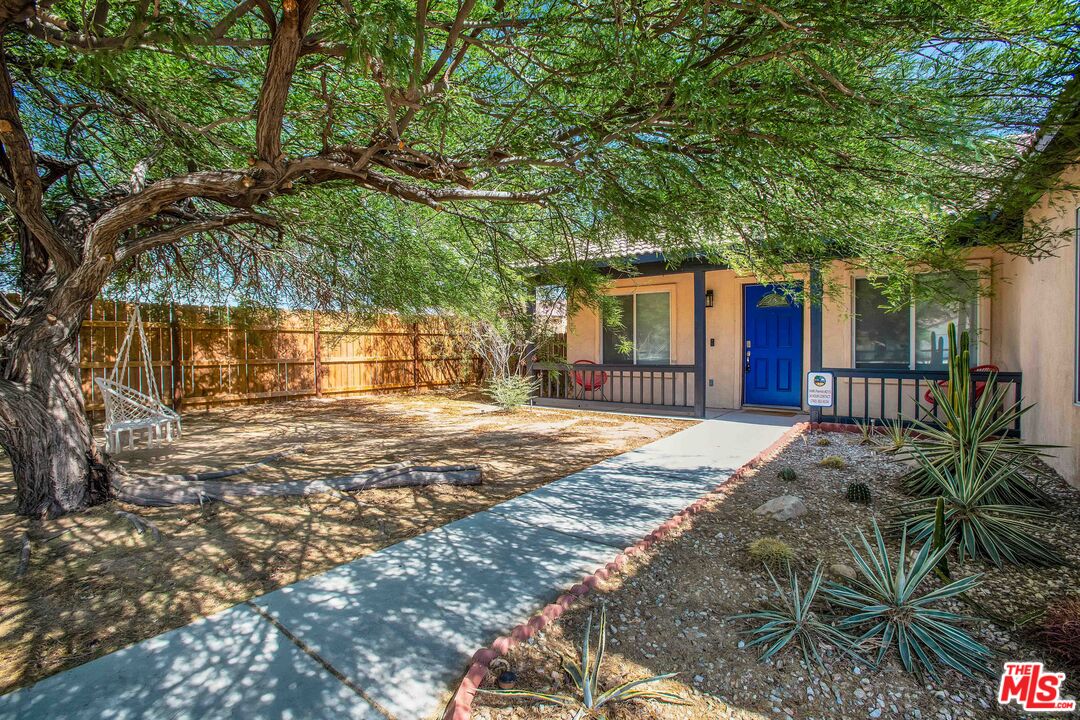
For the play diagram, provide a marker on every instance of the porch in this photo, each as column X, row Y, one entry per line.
column 721, row 341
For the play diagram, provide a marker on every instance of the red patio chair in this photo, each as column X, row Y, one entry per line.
column 980, row 385
column 591, row 381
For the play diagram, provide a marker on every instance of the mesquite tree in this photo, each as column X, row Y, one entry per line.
column 401, row 154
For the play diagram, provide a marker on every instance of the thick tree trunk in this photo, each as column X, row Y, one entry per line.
column 45, row 431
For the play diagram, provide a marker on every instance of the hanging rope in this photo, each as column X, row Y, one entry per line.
column 131, row 411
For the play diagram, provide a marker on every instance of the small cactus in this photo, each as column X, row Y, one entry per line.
column 823, row 442
column 773, row 552
column 787, row 474
column 858, row 492
column 833, row 462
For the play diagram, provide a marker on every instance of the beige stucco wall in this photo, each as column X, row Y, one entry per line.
column 1027, row 323
column 1038, row 316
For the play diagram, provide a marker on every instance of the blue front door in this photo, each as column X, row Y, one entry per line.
column 772, row 347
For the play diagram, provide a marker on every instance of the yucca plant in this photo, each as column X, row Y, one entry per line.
column 894, row 436
column 866, row 430
column 962, row 426
column 972, row 518
column 895, row 609
column 795, row 618
column 585, row 674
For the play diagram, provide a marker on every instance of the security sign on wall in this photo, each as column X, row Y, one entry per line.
column 819, row 389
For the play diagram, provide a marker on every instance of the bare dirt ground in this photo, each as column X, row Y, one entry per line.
column 94, row 585
column 671, row 610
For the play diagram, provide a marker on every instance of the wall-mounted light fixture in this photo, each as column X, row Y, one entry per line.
column 708, row 298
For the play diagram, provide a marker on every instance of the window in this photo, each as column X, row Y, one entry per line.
column 915, row 336
column 646, row 319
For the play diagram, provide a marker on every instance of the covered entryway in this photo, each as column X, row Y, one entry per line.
column 772, row 347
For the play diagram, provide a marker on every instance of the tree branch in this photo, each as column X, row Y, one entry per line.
column 24, row 176
column 179, row 232
column 280, row 65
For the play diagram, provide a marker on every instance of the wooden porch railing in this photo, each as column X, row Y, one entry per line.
column 866, row 395
column 654, row 386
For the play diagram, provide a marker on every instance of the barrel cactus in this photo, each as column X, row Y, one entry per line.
column 787, row 474
column 858, row 492
column 773, row 552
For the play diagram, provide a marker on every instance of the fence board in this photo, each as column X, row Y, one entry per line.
column 204, row 356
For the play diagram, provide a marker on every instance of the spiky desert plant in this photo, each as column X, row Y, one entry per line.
column 1059, row 630
column 866, row 431
column 788, row 474
column 823, row 442
column 895, row 610
column 894, row 436
column 584, row 671
column 859, row 492
column 963, row 425
column 772, row 552
column 972, row 518
column 833, row 462
column 794, row 618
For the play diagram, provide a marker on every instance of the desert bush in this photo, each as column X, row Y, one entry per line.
column 511, row 391
column 1059, row 630
column 895, row 608
column 833, row 462
column 584, row 671
column 973, row 519
column 772, row 552
column 823, row 442
column 794, row 618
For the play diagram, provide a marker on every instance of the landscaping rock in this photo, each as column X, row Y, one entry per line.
column 840, row 570
column 785, row 507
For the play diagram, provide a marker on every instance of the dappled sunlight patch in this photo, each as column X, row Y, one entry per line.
column 94, row 584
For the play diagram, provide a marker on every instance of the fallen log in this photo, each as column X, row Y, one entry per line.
column 168, row 490
column 239, row 470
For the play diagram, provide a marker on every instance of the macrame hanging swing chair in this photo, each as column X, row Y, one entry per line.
column 130, row 411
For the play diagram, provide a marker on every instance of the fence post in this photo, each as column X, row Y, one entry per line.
column 816, row 298
column 176, row 354
column 416, row 356
column 318, row 353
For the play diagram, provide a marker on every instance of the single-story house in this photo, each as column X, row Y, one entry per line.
column 704, row 337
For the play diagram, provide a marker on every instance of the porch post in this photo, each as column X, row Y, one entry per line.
column 699, row 343
column 815, row 299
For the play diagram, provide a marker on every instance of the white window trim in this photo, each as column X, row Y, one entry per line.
column 635, row 291
column 982, row 343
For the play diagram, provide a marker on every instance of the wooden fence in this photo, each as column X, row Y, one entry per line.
column 206, row 356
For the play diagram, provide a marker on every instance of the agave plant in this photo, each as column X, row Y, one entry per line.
column 895, row 436
column 972, row 518
column 795, row 619
column 895, row 609
column 962, row 425
column 585, row 674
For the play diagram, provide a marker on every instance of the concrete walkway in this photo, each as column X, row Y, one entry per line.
column 386, row 636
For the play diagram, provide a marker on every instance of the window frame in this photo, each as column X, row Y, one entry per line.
column 982, row 322
column 635, row 291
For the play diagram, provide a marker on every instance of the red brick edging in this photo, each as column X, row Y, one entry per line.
column 460, row 706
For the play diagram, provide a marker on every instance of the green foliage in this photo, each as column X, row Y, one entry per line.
column 788, row 474
column 753, row 137
column 971, row 517
column 894, row 609
column 511, row 391
column 771, row 552
column 859, row 492
column 584, row 671
column 968, row 427
column 895, row 435
column 833, row 462
column 794, row 618
column 823, row 442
